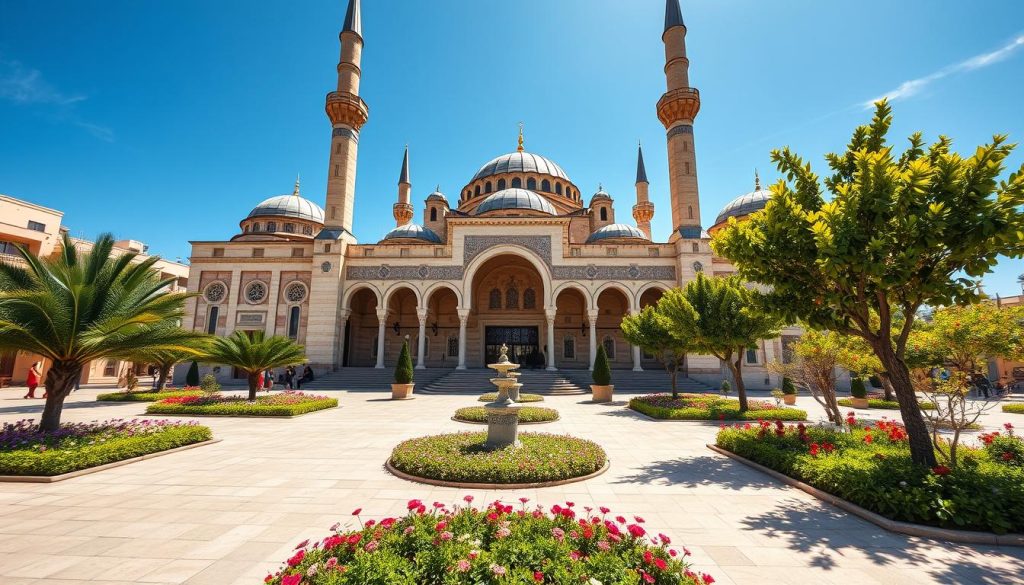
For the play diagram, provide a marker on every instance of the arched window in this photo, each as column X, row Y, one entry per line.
column 609, row 346
column 501, row 184
column 453, row 346
column 477, row 190
column 337, row 148
column 604, row 214
column 433, row 214
column 689, row 210
column 211, row 322
column 256, row 227
column 517, row 183
column 487, row 187
column 686, row 168
column 545, row 186
column 529, row 299
column 494, row 302
column 289, row 228
column 271, row 226
column 531, row 184
column 293, row 322
column 558, row 188
column 696, row 247
column 569, row 347
column 512, row 298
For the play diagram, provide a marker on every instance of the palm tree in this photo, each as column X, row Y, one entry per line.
column 254, row 353
column 195, row 346
column 79, row 307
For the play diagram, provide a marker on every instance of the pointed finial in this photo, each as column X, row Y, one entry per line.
column 520, row 148
column 353, row 19
column 641, row 170
column 438, row 188
column 673, row 14
column 600, row 186
column 757, row 181
column 404, row 176
column 296, row 191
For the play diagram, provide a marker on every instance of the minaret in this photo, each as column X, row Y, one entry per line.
column 403, row 209
column 347, row 112
column 643, row 211
column 677, row 110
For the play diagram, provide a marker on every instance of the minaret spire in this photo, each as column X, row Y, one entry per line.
column 296, row 191
column 673, row 15
column 643, row 211
column 520, row 147
column 757, row 181
column 403, row 209
column 353, row 18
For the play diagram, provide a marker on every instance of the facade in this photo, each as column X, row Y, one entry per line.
column 40, row 230
column 519, row 255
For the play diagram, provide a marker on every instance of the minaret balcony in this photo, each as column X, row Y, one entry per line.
column 347, row 108
column 643, row 211
column 678, row 104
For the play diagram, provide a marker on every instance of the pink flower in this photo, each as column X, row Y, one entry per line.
column 462, row 566
column 296, row 560
column 331, row 562
column 558, row 533
column 291, row 580
column 371, row 546
column 604, row 510
column 498, row 569
column 468, row 499
column 302, row 544
column 575, row 555
column 502, row 532
column 356, row 511
column 664, row 539
column 413, row 504
column 446, row 535
column 603, row 545
column 538, row 576
column 636, row 531
column 440, row 526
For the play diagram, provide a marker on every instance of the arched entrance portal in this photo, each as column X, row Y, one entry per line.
column 361, row 330
column 612, row 305
column 507, row 306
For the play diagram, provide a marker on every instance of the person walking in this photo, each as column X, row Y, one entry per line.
column 289, row 375
column 35, row 374
column 268, row 380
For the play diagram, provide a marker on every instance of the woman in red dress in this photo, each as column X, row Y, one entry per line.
column 35, row 373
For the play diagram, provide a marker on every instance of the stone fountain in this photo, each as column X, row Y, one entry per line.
column 503, row 413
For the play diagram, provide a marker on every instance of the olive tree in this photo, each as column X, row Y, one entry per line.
column 650, row 330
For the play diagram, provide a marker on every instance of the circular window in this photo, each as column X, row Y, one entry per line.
column 216, row 292
column 295, row 292
column 255, row 292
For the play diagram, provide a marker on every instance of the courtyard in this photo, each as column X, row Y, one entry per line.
column 232, row 511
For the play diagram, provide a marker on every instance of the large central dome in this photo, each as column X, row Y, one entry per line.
column 520, row 162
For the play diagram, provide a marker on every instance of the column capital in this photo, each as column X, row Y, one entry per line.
column 382, row 314
column 592, row 314
column 463, row 314
column 550, row 314
column 421, row 314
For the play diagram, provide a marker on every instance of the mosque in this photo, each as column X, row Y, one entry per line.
column 519, row 256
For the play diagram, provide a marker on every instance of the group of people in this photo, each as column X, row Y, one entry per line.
column 289, row 379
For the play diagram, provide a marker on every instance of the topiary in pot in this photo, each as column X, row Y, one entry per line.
column 788, row 391
column 602, row 387
column 859, row 393
column 402, row 388
column 192, row 377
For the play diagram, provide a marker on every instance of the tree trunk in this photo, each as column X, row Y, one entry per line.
column 921, row 450
column 60, row 381
column 161, row 381
column 253, row 378
column 886, row 385
column 737, row 373
column 673, row 370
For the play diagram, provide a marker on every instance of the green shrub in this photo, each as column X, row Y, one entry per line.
column 463, row 457
column 403, row 369
column 857, row 389
column 602, row 374
column 875, row 381
column 58, row 460
column 145, row 396
column 192, row 377
column 209, row 384
column 1007, row 449
column 528, row 414
column 709, row 407
column 878, row 474
column 725, row 387
column 523, row 397
column 1016, row 408
column 788, row 387
column 885, row 404
column 282, row 404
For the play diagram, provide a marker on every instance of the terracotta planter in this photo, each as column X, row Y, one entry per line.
column 859, row 402
column 789, row 399
column 401, row 391
column 602, row 393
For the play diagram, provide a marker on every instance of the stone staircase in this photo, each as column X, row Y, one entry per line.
column 370, row 379
column 477, row 381
column 645, row 382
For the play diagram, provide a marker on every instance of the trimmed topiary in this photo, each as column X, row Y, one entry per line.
column 788, row 387
column 602, row 374
column 403, row 369
column 192, row 377
column 857, row 389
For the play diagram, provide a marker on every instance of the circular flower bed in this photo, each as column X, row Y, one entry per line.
column 498, row 544
column 527, row 414
column 710, row 407
column 523, row 397
column 462, row 457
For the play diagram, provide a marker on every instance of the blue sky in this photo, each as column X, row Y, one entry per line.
column 166, row 121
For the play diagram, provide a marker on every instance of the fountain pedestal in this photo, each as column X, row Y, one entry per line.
column 503, row 413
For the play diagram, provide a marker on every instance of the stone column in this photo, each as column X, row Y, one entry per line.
column 234, row 293
column 343, row 316
column 382, row 317
column 275, row 284
column 463, row 320
column 592, row 318
column 550, row 314
column 421, row 342
column 636, row 350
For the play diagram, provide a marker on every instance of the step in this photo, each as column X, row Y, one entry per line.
column 478, row 381
column 370, row 379
column 645, row 382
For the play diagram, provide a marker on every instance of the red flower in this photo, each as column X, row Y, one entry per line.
column 867, row 439
column 604, row 510
column 296, row 560
column 291, row 580
column 413, row 504
column 538, row 576
column 813, row 449
column 661, row 564
column 356, row 511
column 648, row 557
column 636, row 531
column 940, row 470
column 708, row 579
column 664, row 539
column 467, row 499
column 1007, row 456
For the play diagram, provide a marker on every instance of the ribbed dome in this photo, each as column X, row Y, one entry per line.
column 615, row 231
column 601, row 194
column 744, row 205
column 414, row 232
column 515, row 199
column 289, row 206
column 520, row 162
column 437, row 196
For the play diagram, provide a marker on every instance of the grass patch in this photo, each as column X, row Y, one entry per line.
column 462, row 457
column 527, row 414
column 884, row 404
column 146, row 396
column 871, row 467
column 24, row 450
column 1017, row 408
column 523, row 397
column 710, row 407
column 282, row 404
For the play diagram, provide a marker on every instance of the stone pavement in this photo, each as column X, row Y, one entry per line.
column 230, row 512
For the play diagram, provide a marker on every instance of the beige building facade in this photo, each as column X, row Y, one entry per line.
column 518, row 256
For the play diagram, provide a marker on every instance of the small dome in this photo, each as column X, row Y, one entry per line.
column 617, row 231
column 744, row 205
column 520, row 162
column 437, row 195
column 412, row 231
column 515, row 199
column 289, row 206
column 601, row 194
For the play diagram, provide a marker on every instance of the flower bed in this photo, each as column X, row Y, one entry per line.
column 281, row 404
column 1017, row 408
column 709, row 407
column 463, row 545
column 462, row 457
column 527, row 414
column 871, row 467
column 143, row 396
column 24, row 450
column 884, row 404
column 523, row 397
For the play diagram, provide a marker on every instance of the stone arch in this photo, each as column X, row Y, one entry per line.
column 630, row 297
column 346, row 299
column 643, row 290
column 613, row 302
column 572, row 284
column 435, row 287
column 511, row 250
column 390, row 292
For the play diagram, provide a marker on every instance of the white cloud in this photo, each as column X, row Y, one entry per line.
column 914, row 86
column 26, row 86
